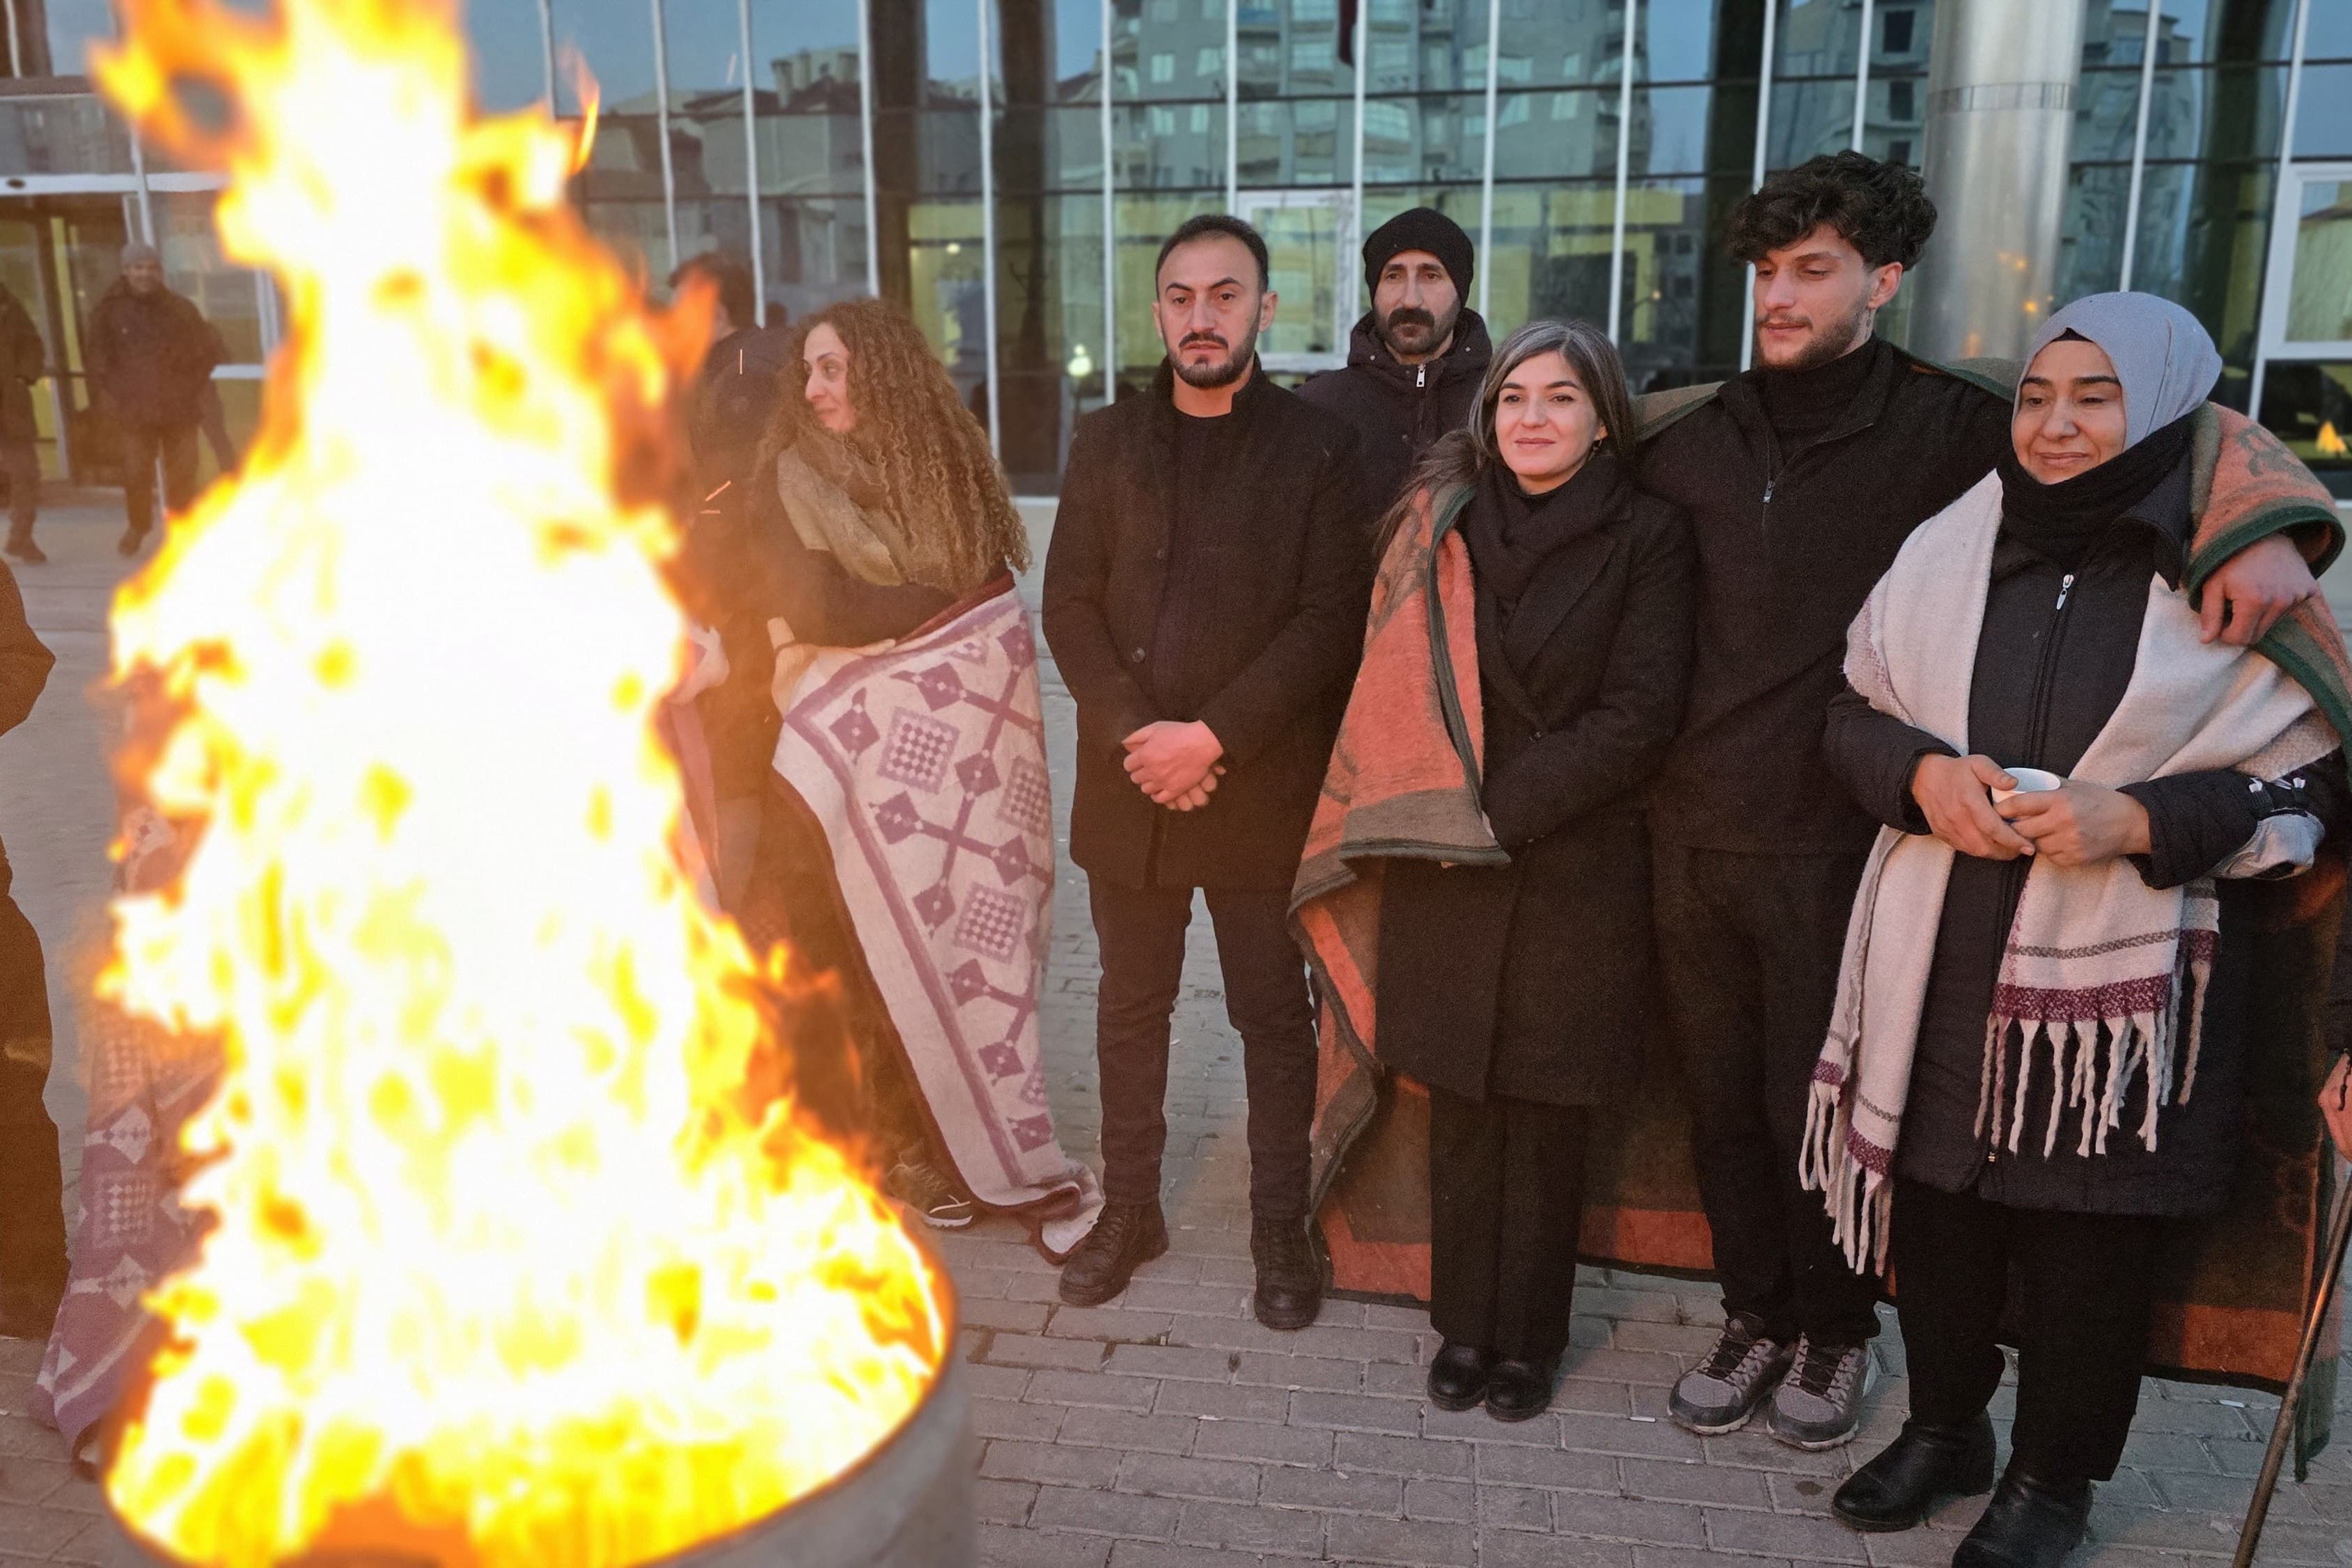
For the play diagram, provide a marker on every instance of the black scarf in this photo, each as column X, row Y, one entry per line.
column 2059, row 522
column 1511, row 534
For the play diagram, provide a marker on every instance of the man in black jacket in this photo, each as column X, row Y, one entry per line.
column 1802, row 478
column 1205, row 595
column 32, row 1205
column 152, row 354
column 1415, row 359
column 24, row 360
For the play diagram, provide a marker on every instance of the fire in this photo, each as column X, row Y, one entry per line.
column 2331, row 444
column 506, row 1268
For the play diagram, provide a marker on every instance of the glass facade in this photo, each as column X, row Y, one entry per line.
column 1005, row 169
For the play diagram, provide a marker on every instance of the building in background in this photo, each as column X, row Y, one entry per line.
column 1005, row 169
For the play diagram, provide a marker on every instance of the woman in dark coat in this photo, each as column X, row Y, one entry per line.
column 1515, row 993
column 2039, row 1055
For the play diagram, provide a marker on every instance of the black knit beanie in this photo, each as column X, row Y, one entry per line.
column 1422, row 228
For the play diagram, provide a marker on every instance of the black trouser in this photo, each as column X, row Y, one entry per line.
column 32, row 1202
column 177, row 449
column 1141, row 934
column 1505, row 1202
column 1747, row 954
column 2086, row 1282
column 22, row 463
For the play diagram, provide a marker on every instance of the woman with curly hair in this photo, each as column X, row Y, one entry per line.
column 888, row 724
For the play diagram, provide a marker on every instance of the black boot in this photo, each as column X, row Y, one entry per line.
column 1289, row 1279
column 1924, row 1465
column 2028, row 1524
column 1126, row 1236
column 1519, row 1390
column 1457, row 1376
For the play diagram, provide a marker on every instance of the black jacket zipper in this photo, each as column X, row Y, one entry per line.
column 2013, row 875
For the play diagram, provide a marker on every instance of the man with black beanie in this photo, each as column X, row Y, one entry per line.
column 1416, row 358
column 1802, row 478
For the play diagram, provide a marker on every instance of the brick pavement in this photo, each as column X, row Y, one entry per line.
column 1167, row 1429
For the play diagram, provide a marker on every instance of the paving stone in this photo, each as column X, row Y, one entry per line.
column 1443, row 1503
column 1003, row 1503
column 1628, row 1519
column 1104, row 1513
column 1169, row 1361
column 1018, row 1317
column 1003, row 1548
column 1279, row 1530
column 1514, row 1508
column 1355, row 1412
column 1784, row 1535
column 1288, row 1371
column 1166, row 1475
column 1029, row 1350
column 1555, row 1469
column 1099, row 1389
column 1403, row 1456
column 1253, row 1440
column 1007, row 1460
column 1159, row 1555
column 1666, row 1480
column 1411, row 1543
column 1222, row 1401
column 1010, row 1418
column 1335, row 1490
column 1114, row 1324
column 1527, row 1549
column 1125, row 1430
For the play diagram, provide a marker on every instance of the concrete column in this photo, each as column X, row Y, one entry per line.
column 2000, row 110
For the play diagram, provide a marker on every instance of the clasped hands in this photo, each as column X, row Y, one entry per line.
column 1175, row 762
column 2080, row 825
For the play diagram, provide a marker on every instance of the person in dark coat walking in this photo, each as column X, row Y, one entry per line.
column 1802, row 478
column 1205, row 595
column 2097, row 915
column 1518, row 994
column 1416, row 359
column 24, row 360
column 151, row 356
column 32, row 1193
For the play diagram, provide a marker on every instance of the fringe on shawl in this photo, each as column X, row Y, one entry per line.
column 2092, row 1075
column 1851, row 1172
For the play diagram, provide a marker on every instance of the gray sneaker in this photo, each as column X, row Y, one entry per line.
column 1723, row 1391
column 1820, row 1402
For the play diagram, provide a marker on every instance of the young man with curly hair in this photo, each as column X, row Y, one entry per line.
column 1802, row 478
column 1206, row 596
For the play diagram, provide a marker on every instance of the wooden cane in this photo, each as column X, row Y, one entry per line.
column 2340, row 1232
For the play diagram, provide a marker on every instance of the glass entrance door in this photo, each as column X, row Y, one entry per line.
column 1309, row 237
column 2305, row 388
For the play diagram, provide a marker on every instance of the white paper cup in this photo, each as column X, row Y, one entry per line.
column 2030, row 781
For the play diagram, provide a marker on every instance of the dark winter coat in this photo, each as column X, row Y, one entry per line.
column 1530, row 980
column 2048, row 676
column 24, row 360
column 1279, row 590
column 1402, row 409
column 1790, row 545
column 152, row 356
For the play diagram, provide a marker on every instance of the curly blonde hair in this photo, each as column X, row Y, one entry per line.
column 939, row 477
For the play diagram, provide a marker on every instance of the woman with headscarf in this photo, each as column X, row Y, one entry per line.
column 1512, row 986
column 2039, row 1056
column 878, row 757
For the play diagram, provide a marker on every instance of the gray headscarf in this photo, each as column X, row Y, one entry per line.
column 2163, row 354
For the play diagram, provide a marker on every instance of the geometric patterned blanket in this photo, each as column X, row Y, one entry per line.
column 924, row 761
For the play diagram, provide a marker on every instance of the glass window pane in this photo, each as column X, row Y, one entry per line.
column 2203, row 232
column 2203, row 31
column 62, row 45
column 2320, row 298
column 509, row 53
column 1436, row 137
column 1682, row 306
column 1673, row 125
column 1297, row 141
column 1143, row 221
column 1415, row 47
column 1557, row 44
column 1169, row 146
column 193, row 265
column 2330, row 35
column 1290, row 47
column 1167, row 50
column 811, row 253
column 2091, row 253
column 2217, row 111
column 807, row 154
column 1678, row 40
column 2107, row 115
column 798, row 47
column 70, row 135
column 1049, row 281
column 2322, row 127
column 1550, row 255
column 1809, row 119
column 2310, row 405
column 1302, row 239
column 947, row 297
column 1900, row 34
column 614, row 39
column 637, row 232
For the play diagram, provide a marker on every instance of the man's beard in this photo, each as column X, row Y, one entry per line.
column 1209, row 377
column 1841, row 338
column 1421, row 324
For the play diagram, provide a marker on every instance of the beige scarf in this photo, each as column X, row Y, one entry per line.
column 2099, row 970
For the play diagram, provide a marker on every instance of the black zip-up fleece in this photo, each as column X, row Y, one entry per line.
column 1792, row 535
column 1402, row 409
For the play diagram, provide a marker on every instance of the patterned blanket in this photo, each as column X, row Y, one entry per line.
column 924, row 761
column 1404, row 783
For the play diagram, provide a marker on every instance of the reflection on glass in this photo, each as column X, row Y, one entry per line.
column 1677, row 42
column 613, row 39
column 2203, row 228
column 1297, row 141
column 1672, row 127
column 2323, row 123
column 1547, row 43
column 2319, row 296
column 811, row 253
column 1432, row 138
column 61, row 136
column 2219, row 111
column 1809, row 119
column 509, row 53
column 1169, row 146
column 1302, row 239
column 1167, row 50
column 1049, row 345
column 949, row 298
column 71, row 27
column 1550, row 255
column 1683, row 295
column 193, row 265
column 2310, row 405
column 2091, row 254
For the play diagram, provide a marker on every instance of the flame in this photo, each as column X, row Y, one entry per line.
column 504, row 1266
column 2331, row 444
